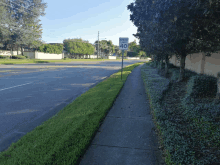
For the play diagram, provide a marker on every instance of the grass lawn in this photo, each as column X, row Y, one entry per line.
column 65, row 137
column 23, row 61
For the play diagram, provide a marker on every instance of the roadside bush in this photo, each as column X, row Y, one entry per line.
column 190, row 73
column 2, row 57
column 53, row 49
column 175, row 73
column 153, row 64
column 18, row 57
column 195, row 137
column 170, row 65
column 202, row 86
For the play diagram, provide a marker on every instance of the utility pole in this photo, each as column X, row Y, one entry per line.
column 98, row 46
column 98, row 53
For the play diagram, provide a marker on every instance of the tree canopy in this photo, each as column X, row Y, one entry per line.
column 105, row 47
column 52, row 49
column 176, row 27
column 20, row 23
column 78, row 47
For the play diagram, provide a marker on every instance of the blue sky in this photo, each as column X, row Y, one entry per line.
column 83, row 19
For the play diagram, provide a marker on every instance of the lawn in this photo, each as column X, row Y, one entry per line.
column 65, row 137
column 23, row 61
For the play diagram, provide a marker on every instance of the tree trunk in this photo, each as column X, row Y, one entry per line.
column 182, row 67
column 5, row 46
column 166, row 65
column 22, row 53
column 161, row 64
column 11, row 53
column 17, row 50
column 153, row 57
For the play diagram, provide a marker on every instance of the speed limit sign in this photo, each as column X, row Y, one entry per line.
column 123, row 43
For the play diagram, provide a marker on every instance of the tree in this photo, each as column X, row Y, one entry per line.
column 132, row 45
column 20, row 23
column 53, row 49
column 105, row 47
column 133, row 49
column 78, row 47
column 117, row 50
column 89, row 49
column 142, row 54
column 169, row 17
column 4, row 19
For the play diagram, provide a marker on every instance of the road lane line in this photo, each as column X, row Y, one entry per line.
column 15, row 86
column 21, row 111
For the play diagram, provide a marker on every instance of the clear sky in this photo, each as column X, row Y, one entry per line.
column 83, row 19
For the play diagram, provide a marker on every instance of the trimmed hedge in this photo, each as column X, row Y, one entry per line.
column 53, row 49
column 3, row 57
column 19, row 57
column 13, row 57
column 195, row 137
column 202, row 86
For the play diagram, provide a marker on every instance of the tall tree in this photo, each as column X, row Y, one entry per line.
column 105, row 47
column 78, row 47
column 22, row 22
column 175, row 15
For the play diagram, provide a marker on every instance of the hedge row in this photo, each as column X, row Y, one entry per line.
column 52, row 49
column 195, row 137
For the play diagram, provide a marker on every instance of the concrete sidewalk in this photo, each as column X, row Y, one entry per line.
column 127, row 135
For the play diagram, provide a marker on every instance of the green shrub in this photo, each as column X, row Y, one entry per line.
column 190, row 73
column 202, row 86
column 53, row 49
column 66, row 58
column 185, row 143
column 153, row 64
column 170, row 65
column 18, row 57
column 175, row 73
column 2, row 57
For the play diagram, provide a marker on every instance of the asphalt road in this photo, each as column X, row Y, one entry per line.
column 32, row 93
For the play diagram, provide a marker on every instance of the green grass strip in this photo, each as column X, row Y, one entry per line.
column 23, row 61
column 65, row 137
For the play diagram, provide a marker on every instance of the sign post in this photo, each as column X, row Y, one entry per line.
column 123, row 45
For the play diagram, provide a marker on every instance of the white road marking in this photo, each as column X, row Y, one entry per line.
column 22, row 111
column 15, row 86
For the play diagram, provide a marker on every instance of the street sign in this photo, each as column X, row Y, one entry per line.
column 123, row 43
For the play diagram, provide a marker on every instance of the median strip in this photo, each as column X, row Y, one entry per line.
column 65, row 137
